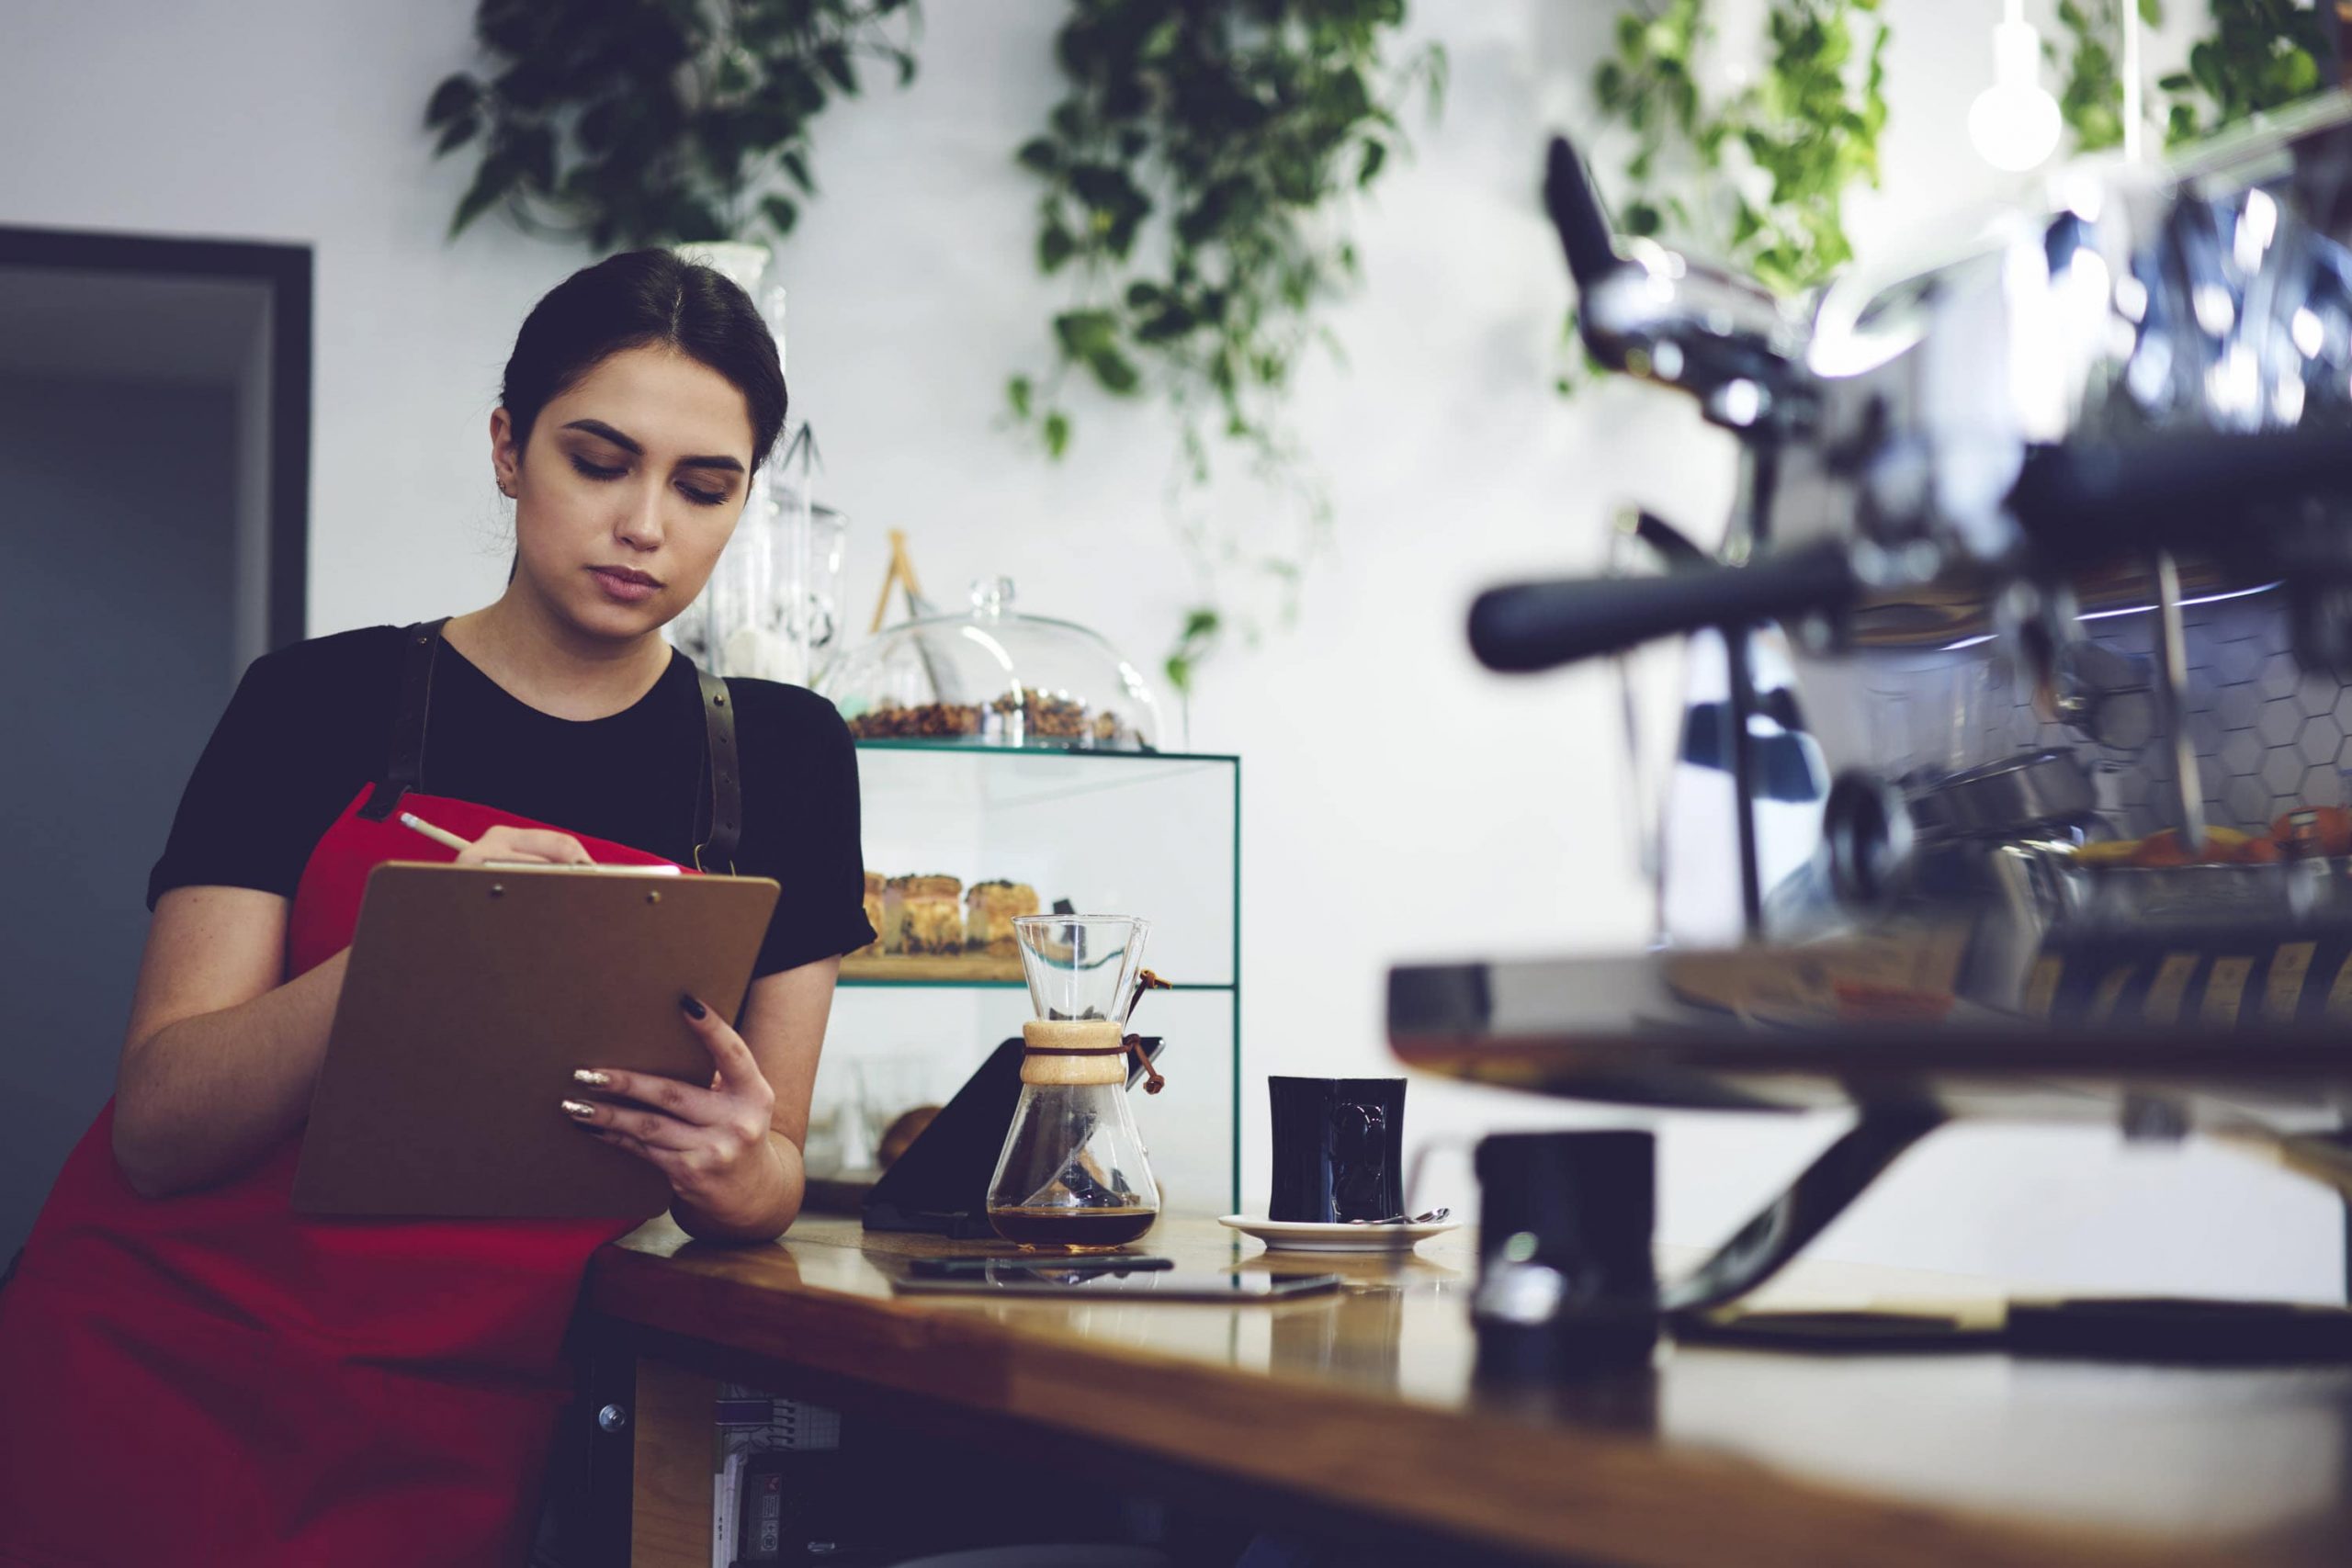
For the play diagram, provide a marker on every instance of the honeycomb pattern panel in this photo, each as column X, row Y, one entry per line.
column 2268, row 737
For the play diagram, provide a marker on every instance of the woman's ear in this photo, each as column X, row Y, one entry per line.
column 505, row 461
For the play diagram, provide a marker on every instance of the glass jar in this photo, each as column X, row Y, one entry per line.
column 1074, row 1175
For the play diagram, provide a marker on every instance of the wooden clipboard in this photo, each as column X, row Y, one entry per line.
column 470, row 995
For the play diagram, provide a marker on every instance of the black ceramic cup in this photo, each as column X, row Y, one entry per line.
column 1338, row 1149
column 1565, row 1279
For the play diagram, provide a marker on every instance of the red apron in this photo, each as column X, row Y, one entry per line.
column 210, row 1378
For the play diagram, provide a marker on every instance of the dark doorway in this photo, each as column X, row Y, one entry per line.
column 154, row 478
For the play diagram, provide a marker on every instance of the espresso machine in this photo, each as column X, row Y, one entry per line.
column 2013, row 779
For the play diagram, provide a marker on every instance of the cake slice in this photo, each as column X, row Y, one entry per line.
column 989, row 909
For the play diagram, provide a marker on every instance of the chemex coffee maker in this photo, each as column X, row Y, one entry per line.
column 2012, row 775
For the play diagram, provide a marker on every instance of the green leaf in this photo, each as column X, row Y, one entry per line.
column 1054, row 247
column 1040, row 154
column 780, row 213
column 833, row 60
column 456, row 134
column 1016, row 392
column 457, row 97
column 491, row 181
column 1057, row 434
column 1084, row 333
column 1114, row 371
column 797, row 167
column 1375, row 154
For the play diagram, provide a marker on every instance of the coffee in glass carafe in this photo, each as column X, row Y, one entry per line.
column 1072, row 1177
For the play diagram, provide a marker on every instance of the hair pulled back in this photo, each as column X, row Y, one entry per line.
column 644, row 299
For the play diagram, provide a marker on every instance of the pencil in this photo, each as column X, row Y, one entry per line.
column 438, row 835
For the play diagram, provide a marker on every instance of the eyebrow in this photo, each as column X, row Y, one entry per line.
column 598, row 427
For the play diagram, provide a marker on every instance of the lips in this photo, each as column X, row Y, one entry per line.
column 626, row 575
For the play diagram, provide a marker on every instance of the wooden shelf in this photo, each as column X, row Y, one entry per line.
column 934, row 968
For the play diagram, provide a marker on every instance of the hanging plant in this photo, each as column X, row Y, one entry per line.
column 2090, row 97
column 1757, row 181
column 1774, row 160
column 1194, row 185
column 2261, row 54
column 645, row 123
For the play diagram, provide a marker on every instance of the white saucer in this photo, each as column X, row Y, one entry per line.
column 1297, row 1235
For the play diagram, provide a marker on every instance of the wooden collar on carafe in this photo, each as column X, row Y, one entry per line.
column 1083, row 1051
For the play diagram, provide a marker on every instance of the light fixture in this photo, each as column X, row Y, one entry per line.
column 2014, row 122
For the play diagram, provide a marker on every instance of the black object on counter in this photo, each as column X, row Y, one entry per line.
column 1527, row 626
column 1338, row 1149
column 1566, row 1280
column 940, row 1185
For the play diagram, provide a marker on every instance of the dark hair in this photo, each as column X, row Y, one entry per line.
column 642, row 299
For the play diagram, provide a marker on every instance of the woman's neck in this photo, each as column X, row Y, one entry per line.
column 549, row 664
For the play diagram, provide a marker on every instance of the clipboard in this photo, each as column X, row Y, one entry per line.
column 470, row 995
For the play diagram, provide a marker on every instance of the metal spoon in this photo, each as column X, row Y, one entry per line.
column 1432, row 1217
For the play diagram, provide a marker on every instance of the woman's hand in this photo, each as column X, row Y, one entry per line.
column 713, row 1143
column 544, row 844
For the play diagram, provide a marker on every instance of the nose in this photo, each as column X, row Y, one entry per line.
column 639, row 523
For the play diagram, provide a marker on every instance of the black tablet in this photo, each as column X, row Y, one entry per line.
column 1024, row 1277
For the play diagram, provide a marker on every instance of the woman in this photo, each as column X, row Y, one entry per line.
column 189, row 1372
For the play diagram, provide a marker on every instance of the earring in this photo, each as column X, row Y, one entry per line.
column 505, row 489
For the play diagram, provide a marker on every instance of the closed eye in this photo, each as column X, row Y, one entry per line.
column 595, row 470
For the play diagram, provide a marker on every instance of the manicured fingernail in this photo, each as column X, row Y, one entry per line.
column 694, row 1009
column 591, row 1076
column 578, row 1108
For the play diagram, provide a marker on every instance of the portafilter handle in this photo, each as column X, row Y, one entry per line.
column 1527, row 626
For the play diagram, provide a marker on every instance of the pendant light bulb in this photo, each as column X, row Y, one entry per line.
column 2014, row 122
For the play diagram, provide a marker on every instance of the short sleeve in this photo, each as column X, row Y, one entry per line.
column 238, row 823
column 800, row 814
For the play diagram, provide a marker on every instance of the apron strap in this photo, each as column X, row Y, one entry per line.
column 725, row 784
column 407, row 765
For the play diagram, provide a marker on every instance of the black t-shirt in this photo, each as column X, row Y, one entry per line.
column 311, row 723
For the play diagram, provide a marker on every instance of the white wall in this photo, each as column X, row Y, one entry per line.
column 1400, row 802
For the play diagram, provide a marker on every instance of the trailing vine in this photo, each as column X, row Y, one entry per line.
column 1194, row 181
column 1757, row 181
column 2261, row 54
column 1775, row 159
column 646, row 123
column 2090, row 96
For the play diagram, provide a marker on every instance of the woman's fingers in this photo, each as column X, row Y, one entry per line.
column 738, row 1070
column 652, row 1128
column 683, row 1102
column 503, row 842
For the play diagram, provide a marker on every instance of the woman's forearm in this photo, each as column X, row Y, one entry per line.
column 203, row 1098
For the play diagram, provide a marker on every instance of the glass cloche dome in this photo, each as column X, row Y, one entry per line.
column 994, row 678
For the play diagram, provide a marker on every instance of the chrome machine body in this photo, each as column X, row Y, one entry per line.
column 2011, row 781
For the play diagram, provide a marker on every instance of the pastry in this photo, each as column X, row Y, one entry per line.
column 989, row 909
column 926, row 721
column 875, row 883
column 923, row 914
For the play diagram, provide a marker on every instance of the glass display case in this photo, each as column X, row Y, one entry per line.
column 961, row 838
column 995, row 677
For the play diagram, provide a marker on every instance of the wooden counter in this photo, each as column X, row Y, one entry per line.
column 1362, row 1406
